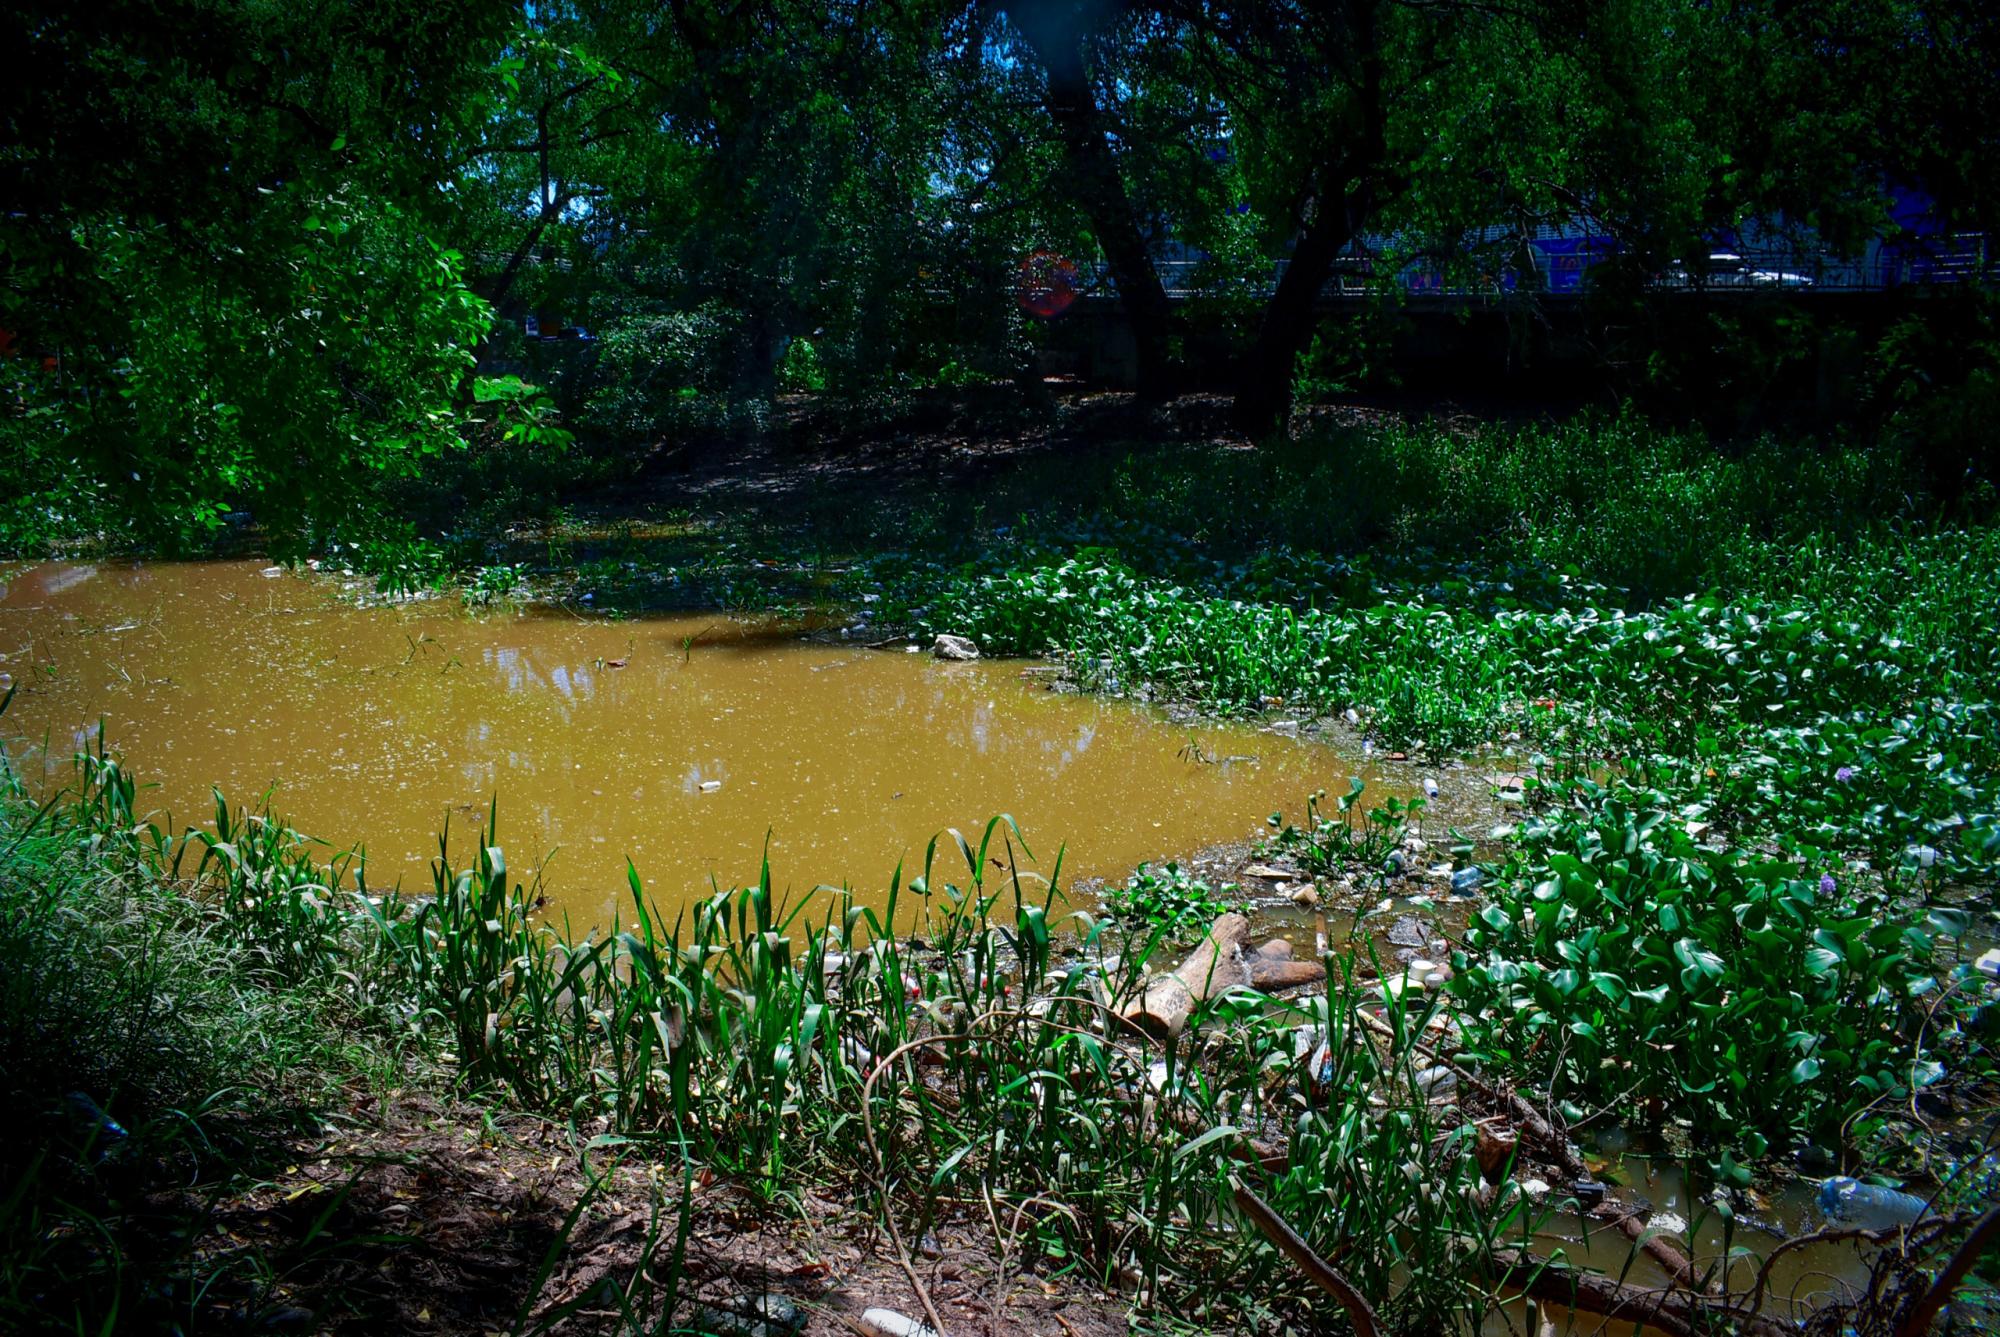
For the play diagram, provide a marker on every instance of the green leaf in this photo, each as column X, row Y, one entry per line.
column 1215, row 1134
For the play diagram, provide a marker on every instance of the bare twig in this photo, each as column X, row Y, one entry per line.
column 1918, row 1321
column 1359, row 1312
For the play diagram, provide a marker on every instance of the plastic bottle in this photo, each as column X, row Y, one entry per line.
column 1845, row 1199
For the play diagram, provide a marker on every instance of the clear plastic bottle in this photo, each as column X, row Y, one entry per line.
column 1849, row 1200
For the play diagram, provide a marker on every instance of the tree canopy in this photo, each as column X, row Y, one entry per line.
column 254, row 251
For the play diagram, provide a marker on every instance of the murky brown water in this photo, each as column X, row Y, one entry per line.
column 678, row 742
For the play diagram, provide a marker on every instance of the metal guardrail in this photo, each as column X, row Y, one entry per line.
column 1562, row 267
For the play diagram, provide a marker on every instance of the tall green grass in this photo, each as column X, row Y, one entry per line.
column 971, row 1066
column 139, row 1054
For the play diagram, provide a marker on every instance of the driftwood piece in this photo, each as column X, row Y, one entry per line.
column 1163, row 1009
column 1269, row 974
column 1494, row 1150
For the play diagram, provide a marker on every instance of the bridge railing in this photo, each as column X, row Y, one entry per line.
column 1562, row 268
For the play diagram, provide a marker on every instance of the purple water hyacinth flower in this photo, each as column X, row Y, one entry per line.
column 1827, row 884
column 1844, row 774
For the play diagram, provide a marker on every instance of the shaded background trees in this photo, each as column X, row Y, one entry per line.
column 251, row 251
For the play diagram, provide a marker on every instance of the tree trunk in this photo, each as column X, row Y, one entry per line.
column 1346, row 186
column 1057, row 33
column 1264, row 386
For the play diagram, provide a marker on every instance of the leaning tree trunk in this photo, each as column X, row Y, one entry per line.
column 1057, row 33
column 1347, row 184
column 1101, row 191
column 1264, row 384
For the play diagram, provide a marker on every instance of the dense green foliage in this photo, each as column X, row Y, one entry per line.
column 252, row 250
column 381, row 281
column 225, row 284
column 1627, row 959
column 764, row 1040
column 1768, row 749
column 140, row 1051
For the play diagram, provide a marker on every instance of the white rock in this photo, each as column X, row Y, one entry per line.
column 889, row 1323
column 710, row 786
column 1440, row 1083
column 1534, row 1189
column 1667, row 1223
column 948, row 646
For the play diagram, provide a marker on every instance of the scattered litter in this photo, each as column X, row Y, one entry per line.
column 1441, row 1083
column 1408, row 931
column 1667, row 1223
column 889, row 1323
column 1844, row 1199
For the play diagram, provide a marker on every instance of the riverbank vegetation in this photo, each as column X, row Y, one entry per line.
column 1381, row 374
column 178, row 1003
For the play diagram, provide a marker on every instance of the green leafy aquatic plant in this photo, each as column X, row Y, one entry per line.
column 1352, row 839
column 1169, row 899
column 1624, row 959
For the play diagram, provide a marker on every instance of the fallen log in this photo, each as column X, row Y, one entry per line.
column 1268, row 974
column 1676, row 1312
column 1163, row 1008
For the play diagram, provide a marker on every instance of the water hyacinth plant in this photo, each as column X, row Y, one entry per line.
column 1623, row 959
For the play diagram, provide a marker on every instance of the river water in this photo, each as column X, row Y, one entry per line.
column 686, row 744
column 680, row 742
